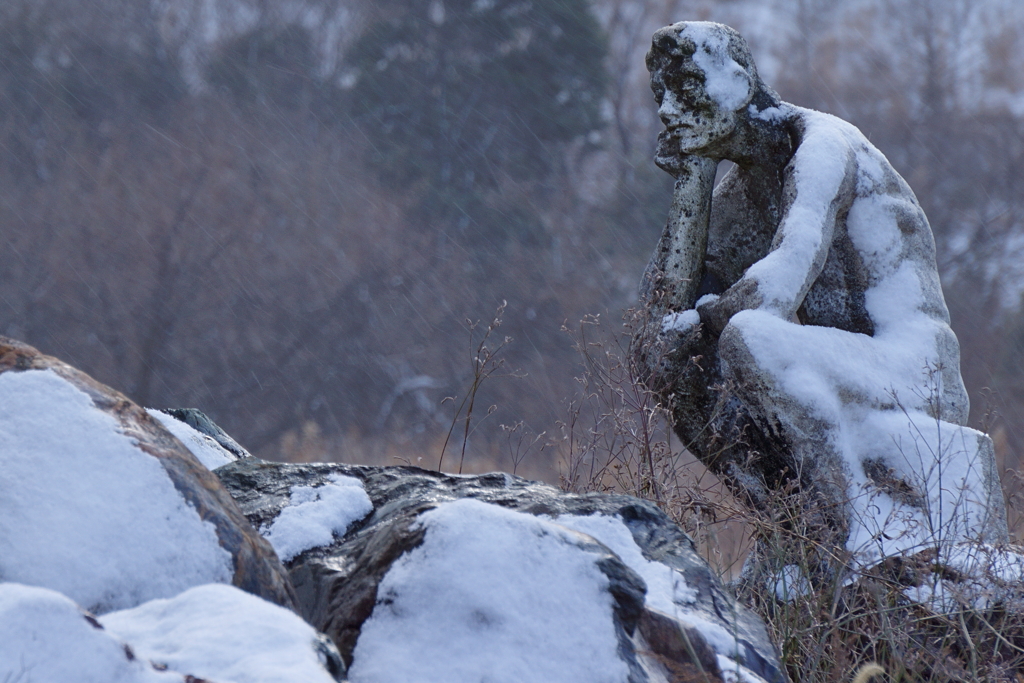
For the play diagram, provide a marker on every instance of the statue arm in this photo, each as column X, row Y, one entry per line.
column 673, row 274
column 820, row 183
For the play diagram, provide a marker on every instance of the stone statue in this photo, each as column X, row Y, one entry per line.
column 795, row 324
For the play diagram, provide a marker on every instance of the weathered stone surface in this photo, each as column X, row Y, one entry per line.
column 795, row 323
column 256, row 568
column 337, row 584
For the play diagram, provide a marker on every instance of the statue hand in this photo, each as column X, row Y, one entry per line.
column 715, row 314
column 666, row 347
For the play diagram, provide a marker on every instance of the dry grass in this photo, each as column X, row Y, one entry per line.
column 616, row 439
column 308, row 443
column 461, row 445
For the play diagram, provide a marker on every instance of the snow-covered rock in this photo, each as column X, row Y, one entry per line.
column 410, row 575
column 104, row 505
column 205, row 447
column 453, row 578
column 45, row 636
column 220, row 633
column 521, row 599
column 315, row 514
column 213, row 632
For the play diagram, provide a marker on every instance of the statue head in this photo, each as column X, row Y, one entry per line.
column 703, row 77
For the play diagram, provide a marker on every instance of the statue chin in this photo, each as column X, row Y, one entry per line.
column 673, row 148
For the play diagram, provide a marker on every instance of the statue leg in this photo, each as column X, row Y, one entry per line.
column 787, row 463
column 876, row 469
column 720, row 412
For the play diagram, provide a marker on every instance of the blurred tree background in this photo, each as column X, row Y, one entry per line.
column 284, row 214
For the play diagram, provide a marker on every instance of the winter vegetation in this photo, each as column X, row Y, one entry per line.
column 294, row 215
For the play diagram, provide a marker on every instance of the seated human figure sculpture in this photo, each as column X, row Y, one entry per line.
column 796, row 328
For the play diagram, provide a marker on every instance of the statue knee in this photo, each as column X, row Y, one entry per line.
column 733, row 348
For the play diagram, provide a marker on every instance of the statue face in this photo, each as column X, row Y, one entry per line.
column 694, row 121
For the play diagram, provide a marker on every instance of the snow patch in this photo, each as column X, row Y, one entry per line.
column 316, row 514
column 667, row 590
column 221, row 633
column 790, row 584
column 44, row 636
column 943, row 464
column 726, row 81
column 707, row 299
column 682, row 321
column 849, row 381
column 734, row 672
column 769, row 114
column 984, row 560
column 85, row 511
column 819, row 169
column 491, row 594
column 989, row 575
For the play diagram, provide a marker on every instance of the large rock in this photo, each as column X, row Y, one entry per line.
column 101, row 503
column 446, row 573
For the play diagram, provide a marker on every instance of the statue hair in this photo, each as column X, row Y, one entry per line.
column 671, row 44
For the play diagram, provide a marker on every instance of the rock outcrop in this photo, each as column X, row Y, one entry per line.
column 402, row 574
column 197, row 420
column 669, row 613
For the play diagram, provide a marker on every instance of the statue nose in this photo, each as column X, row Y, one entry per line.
column 669, row 107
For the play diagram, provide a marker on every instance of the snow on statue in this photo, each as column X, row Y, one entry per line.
column 796, row 326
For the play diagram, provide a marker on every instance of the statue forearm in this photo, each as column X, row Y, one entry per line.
column 674, row 272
